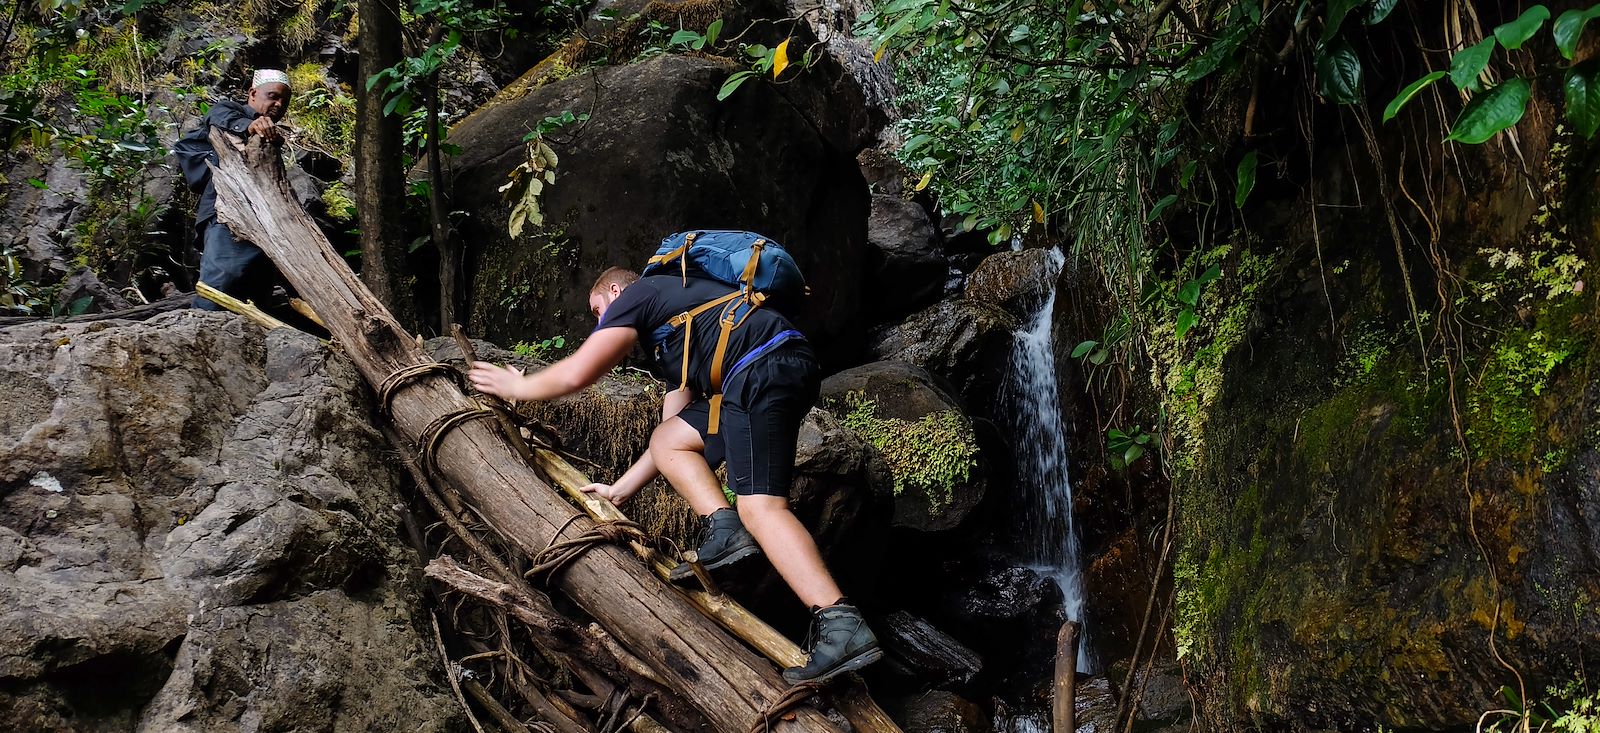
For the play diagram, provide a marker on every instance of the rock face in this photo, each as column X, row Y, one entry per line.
column 965, row 342
column 905, row 398
column 1015, row 281
column 198, row 532
column 938, row 712
column 905, row 262
column 658, row 154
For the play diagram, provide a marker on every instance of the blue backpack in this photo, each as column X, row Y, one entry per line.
column 761, row 273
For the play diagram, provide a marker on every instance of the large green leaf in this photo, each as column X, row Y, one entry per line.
column 1410, row 91
column 1339, row 73
column 1337, row 10
column 1512, row 35
column 1490, row 112
column 1569, row 28
column 1380, row 9
column 1583, row 99
column 1246, row 179
column 1467, row 64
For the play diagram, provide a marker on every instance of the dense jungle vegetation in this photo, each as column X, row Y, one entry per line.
column 1177, row 150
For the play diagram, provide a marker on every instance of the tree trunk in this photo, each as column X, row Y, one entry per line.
column 728, row 683
column 443, row 239
column 379, row 174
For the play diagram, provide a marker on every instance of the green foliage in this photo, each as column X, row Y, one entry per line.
column 340, row 206
column 933, row 455
column 540, row 350
column 323, row 113
column 17, row 294
column 1493, row 110
column 1501, row 403
column 1126, row 447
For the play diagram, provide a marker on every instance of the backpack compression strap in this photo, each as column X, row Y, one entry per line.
column 682, row 254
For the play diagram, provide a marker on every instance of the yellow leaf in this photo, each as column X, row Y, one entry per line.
column 1038, row 213
column 1016, row 132
column 877, row 57
column 926, row 179
column 780, row 58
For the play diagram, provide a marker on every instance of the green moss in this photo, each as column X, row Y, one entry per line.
column 932, row 455
column 1502, row 414
column 340, row 206
column 322, row 112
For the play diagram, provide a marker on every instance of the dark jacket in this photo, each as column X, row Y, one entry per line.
column 194, row 150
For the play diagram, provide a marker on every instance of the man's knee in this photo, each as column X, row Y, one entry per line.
column 674, row 435
column 755, row 507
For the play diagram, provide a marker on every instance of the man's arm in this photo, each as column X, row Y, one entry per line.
column 605, row 349
column 643, row 471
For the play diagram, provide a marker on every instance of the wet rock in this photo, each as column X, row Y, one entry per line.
column 1164, row 697
column 965, row 342
column 84, row 293
column 1001, row 610
column 1015, row 281
column 905, row 252
column 937, row 712
column 197, row 528
column 918, row 650
column 658, row 154
column 41, row 215
column 1095, row 707
column 903, row 399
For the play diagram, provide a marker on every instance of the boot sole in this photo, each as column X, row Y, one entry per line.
column 855, row 663
column 725, row 561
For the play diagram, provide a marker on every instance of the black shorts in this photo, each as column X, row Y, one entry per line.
column 762, row 408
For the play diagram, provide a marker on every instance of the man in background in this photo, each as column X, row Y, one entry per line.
column 237, row 268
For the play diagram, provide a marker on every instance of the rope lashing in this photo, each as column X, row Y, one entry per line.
column 434, row 433
column 406, row 375
column 560, row 553
column 793, row 698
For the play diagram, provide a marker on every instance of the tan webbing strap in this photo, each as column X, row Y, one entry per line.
column 681, row 254
column 686, row 319
column 749, row 275
column 721, row 354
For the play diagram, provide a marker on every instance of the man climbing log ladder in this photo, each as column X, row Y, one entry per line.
column 752, row 418
column 713, row 672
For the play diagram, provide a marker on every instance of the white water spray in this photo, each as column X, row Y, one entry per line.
column 1032, row 399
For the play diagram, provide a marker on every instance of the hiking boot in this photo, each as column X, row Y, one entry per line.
column 839, row 642
column 724, row 542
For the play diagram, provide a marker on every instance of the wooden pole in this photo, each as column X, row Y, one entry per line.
column 1065, row 698
column 720, row 677
column 242, row 307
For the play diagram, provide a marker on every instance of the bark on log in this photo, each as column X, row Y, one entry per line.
column 730, row 685
column 1065, row 702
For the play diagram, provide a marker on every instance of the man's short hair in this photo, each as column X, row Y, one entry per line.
column 620, row 276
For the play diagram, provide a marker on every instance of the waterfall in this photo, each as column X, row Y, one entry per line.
column 1031, row 397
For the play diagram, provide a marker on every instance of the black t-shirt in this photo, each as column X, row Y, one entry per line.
column 652, row 301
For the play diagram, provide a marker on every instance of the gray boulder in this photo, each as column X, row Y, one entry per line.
column 907, row 265
column 1015, row 281
column 965, row 342
column 658, row 154
column 198, row 532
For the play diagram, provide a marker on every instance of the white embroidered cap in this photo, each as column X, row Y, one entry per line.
column 268, row 76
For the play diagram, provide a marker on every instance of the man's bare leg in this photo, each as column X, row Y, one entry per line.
column 679, row 454
column 790, row 548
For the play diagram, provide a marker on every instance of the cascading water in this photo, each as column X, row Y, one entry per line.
column 1032, row 400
